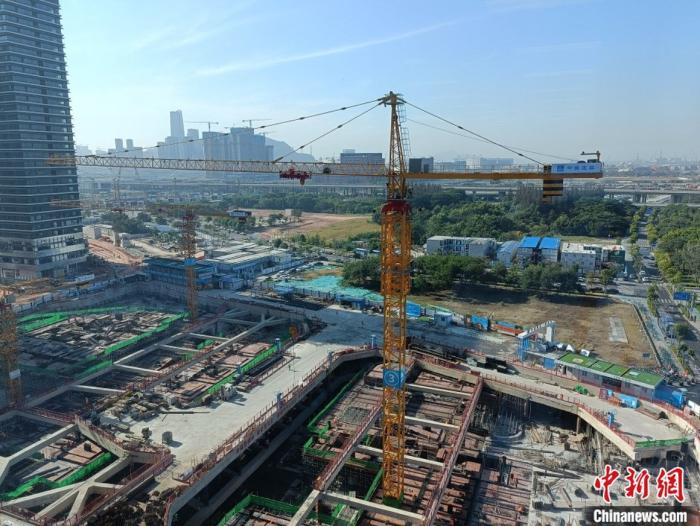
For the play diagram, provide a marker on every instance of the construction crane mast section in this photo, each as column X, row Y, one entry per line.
column 208, row 123
column 188, row 249
column 395, row 262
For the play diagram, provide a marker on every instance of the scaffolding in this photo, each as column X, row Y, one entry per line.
column 37, row 482
column 9, row 354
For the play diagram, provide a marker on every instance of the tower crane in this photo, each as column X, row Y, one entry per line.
column 188, row 248
column 596, row 153
column 251, row 121
column 395, row 258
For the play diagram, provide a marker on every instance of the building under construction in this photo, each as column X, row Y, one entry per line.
column 269, row 412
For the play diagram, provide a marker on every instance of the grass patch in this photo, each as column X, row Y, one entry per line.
column 588, row 239
column 343, row 229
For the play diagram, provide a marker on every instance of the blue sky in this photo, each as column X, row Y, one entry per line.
column 555, row 76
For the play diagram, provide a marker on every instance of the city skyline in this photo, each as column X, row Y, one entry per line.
column 551, row 76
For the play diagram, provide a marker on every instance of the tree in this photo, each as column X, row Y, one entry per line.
column 681, row 330
column 362, row 273
column 161, row 220
column 637, row 262
column 652, row 293
column 607, row 276
column 144, row 217
column 124, row 224
column 531, row 277
column 276, row 242
column 513, row 276
column 499, row 272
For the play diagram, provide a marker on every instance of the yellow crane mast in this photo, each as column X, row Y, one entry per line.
column 395, row 267
column 395, row 259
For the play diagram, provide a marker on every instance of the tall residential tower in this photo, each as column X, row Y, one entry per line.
column 40, row 218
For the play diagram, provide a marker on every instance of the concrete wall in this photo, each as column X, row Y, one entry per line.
column 106, row 296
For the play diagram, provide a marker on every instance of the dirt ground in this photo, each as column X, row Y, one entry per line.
column 109, row 252
column 585, row 322
column 312, row 223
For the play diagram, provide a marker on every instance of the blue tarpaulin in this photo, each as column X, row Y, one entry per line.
column 413, row 309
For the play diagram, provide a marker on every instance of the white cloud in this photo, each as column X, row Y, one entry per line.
column 152, row 38
column 264, row 63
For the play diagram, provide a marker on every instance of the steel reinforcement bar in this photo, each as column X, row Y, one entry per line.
column 452, row 456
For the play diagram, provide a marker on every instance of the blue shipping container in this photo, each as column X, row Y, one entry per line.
column 480, row 321
column 550, row 363
column 628, row 401
column 667, row 393
column 413, row 309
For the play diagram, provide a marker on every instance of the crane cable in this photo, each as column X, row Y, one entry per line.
column 329, row 132
column 224, row 134
column 319, row 114
column 443, row 119
column 487, row 142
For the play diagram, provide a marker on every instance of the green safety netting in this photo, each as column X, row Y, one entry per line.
column 270, row 504
column 92, row 364
column 290, row 509
column 88, row 469
column 38, row 320
column 205, row 343
column 323, row 430
column 325, row 455
column 251, row 364
column 93, row 369
column 337, row 520
column 163, row 326
column 327, row 286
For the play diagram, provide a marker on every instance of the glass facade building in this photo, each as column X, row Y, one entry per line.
column 40, row 218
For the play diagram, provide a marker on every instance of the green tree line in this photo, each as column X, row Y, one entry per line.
column 436, row 273
column 676, row 230
column 451, row 212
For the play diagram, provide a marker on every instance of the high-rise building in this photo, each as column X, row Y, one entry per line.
column 421, row 165
column 194, row 149
column 247, row 146
column 353, row 157
column 177, row 125
column 495, row 163
column 130, row 144
column 119, row 145
column 40, row 218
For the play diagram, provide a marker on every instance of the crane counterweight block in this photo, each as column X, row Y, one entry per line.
column 292, row 173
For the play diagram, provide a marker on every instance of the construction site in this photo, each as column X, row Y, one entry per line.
column 159, row 400
column 266, row 413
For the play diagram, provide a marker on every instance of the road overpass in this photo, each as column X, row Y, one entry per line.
column 164, row 188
